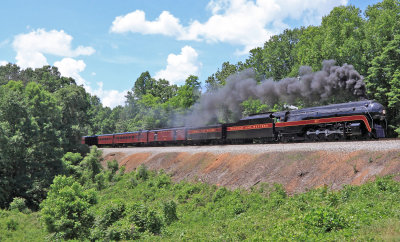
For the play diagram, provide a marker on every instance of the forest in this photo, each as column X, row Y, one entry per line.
column 43, row 116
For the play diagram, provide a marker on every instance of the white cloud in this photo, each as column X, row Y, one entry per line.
column 135, row 21
column 32, row 47
column 3, row 63
column 110, row 98
column 70, row 67
column 179, row 67
column 240, row 22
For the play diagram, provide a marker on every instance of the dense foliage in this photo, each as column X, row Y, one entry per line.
column 147, row 205
column 42, row 115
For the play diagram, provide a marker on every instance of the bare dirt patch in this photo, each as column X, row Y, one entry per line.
column 298, row 171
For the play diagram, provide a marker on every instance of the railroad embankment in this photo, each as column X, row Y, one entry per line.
column 298, row 167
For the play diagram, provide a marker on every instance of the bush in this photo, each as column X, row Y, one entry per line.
column 12, row 225
column 163, row 180
column 324, row 219
column 70, row 163
column 112, row 214
column 121, row 230
column 65, row 211
column 19, row 204
column 145, row 219
column 187, row 191
column 219, row 194
column 137, row 214
column 142, row 173
column 169, row 209
column 132, row 183
column 100, row 181
column 112, row 166
column 90, row 166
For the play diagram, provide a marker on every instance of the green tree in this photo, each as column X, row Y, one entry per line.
column 91, row 166
column 142, row 86
column 382, row 41
column 309, row 48
column 279, row 54
column 163, row 90
column 8, row 73
column 49, row 77
column 15, row 126
column 253, row 106
column 74, row 102
column 343, row 35
column 384, row 82
column 187, row 94
column 44, row 140
column 71, row 163
column 65, row 211
column 218, row 79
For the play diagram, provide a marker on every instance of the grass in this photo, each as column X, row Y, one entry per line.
column 17, row 226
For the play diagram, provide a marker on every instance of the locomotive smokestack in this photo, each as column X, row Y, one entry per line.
column 308, row 86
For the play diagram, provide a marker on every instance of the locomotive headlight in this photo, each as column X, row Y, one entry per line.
column 384, row 112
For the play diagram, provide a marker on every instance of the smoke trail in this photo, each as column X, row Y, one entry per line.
column 309, row 86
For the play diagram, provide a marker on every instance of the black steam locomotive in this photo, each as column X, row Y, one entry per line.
column 353, row 120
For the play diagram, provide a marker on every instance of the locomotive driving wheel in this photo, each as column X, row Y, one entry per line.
column 311, row 136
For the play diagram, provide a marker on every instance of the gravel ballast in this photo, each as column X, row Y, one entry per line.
column 371, row 145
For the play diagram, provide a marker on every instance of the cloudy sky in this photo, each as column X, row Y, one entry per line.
column 106, row 45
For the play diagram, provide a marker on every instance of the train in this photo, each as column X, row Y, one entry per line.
column 345, row 121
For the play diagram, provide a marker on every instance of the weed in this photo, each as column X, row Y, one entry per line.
column 355, row 170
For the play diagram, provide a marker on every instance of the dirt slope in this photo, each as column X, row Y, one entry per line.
column 298, row 171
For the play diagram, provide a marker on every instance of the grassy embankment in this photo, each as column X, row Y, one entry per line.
column 142, row 205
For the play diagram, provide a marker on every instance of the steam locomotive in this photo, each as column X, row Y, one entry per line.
column 352, row 120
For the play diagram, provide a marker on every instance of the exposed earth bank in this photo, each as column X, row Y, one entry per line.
column 299, row 167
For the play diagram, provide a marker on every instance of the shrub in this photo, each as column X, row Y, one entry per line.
column 169, row 209
column 145, row 219
column 112, row 213
column 324, row 219
column 100, row 181
column 154, row 223
column 132, row 182
column 65, row 211
column 112, row 166
column 186, row 191
column 163, row 180
column 90, row 166
column 122, row 170
column 70, row 163
column 219, row 194
column 12, row 225
column 121, row 230
column 18, row 204
column 137, row 214
column 142, row 173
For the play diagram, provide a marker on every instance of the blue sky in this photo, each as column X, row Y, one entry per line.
column 106, row 45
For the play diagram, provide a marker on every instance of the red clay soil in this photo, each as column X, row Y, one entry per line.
column 297, row 171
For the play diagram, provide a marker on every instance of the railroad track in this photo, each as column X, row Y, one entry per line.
column 335, row 146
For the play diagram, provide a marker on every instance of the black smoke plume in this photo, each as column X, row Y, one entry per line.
column 308, row 86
